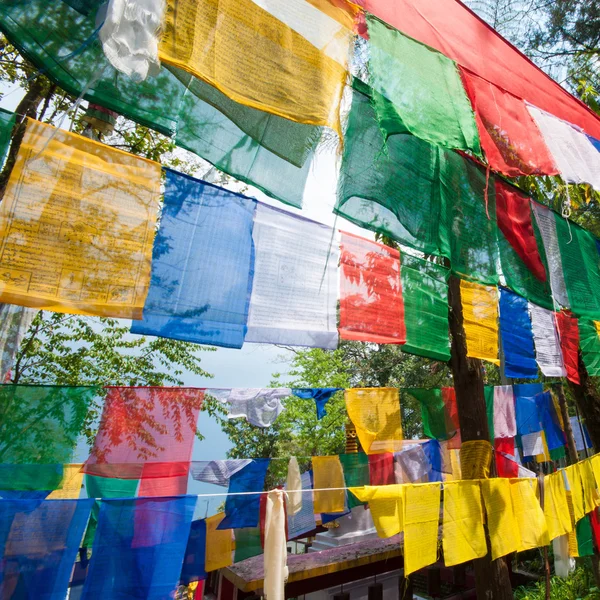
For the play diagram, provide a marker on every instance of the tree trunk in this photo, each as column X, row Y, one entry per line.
column 492, row 579
column 588, row 401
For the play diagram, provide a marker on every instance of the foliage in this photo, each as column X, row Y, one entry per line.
column 578, row 586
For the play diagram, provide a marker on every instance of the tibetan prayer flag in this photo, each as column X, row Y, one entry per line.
column 241, row 508
column 194, row 558
column 259, row 406
column 156, row 482
column 39, row 542
column 328, row 473
column 217, row 472
column 110, row 487
column 381, row 469
column 71, row 246
column 320, row 395
column 425, row 294
column 528, row 420
column 575, row 489
column 356, row 473
column 247, row 543
column 506, row 466
column 502, row 524
column 580, row 433
column 250, row 51
column 433, row 452
column 591, row 499
column 386, row 503
column 513, row 214
column 505, row 424
column 511, row 141
column 463, row 537
column 375, row 413
column 30, row 477
column 568, row 331
column 294, row 294
column 452, row 420
column 556, row 509
column 371, row 305
column 585, row 542
column 488, row 395
column 548, row 353
column 145, row 425
column 531, row 522
column 303, row 521
column 293, row 487
column 589, row 341
column 421, row 525
column 7, row 122
column 71, row 484
column 423, row 86
column 41, row 425
column 139, row 547
column 480, row 314
column 433, row 412
column 202, row 265
column 411, row 464
column 219, row 544
column 555, row 438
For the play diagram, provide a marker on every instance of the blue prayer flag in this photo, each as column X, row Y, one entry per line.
column 39, row 541
column 433, row 452
column 139, row 548
column 202, row 265
column 595, row 142
column 320, row 395
column 244, row 510
column 555, row 438
column 195, row 554
column 528, row 418
column 517, row 336
column 303, row 521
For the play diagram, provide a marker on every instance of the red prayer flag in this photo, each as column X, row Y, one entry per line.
column 381, row 469
column 199, row 595
column 568, row 331
column 510, row 139
column 513, row 212
column 456, row 31
column 371, row 304
column 452, row 421
column 153, row 484
column 505, row 466
column 506, row 445
column 595, row 528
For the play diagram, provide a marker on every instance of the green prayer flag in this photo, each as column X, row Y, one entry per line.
column 424, row 87
column 356, row 474
column 433, row 412
column 488, row 391
column 589, row 342
column 7, row 122
column 558, row 453
column 32, row 477
column 247, row 543
column 585, row 542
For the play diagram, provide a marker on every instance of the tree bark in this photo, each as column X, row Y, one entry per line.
column 492, row 579
column 562, row 402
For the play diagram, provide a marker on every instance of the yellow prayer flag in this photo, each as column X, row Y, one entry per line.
column 591, row 499
column 284, row 57
column 328, row 473
column 77, row 225
column 70, row 487
column 595, row 462
column 463, row 537
column 375, row 413
column 385, row 503
column 502, row 524
column 529, row 516
column 556, row 508
column 475, row 459
column 545, row 456
column 219, row 544
column 572, row 535
column 480, row 314
column 576, row 489
column 421, row 525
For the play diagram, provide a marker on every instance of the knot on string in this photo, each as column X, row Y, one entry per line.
column 475, row 459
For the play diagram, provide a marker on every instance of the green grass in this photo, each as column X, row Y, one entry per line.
column 579, row 585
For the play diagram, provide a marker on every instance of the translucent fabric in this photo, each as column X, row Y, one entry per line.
column 568, row 332
column 387, row 507
column 421, row 525
column 375, row 413
column 556, row 510
column 425, row 293
column 202, row 265
column 145, row 425
column 510, row 139
column 258, row 148
column 39, row 542
column 575, row 488
column 14, row 323
column 382, row 469
column 433, row 452
column 463, row 538
column 243, row 510
column 192, row 568
column 575, row 156
column 275, row 68
column 247, row 543
column 259, row 406
column 328, row 473
column 371, row 305
column 320, row 395
column 501, row 521
column 33, row 477
column 423, row 86
column 585, row 542
column 275, row 559
column 548, row 353
column 139, row 547
column 130, row 36
column 590, row 489
column 513, row 213
column 53, row 234
column 517, row 337
column 505, row 425
column 7, row 122
column 356, row 474
column 545, row 220
column 293, row 486
column 217, row 472
column 294, row 295
column 589, row 341
column 480, row 320
column 553, row 432
column 304, row 521
column 219, row 544
column 40, row 425
column 580, row 434
column 581, row 267
column 411, row 464
column 530, row 519
column 533, row 445
column 433, row 412
column 475, row 459
column 71, row 484
column 528, row 419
